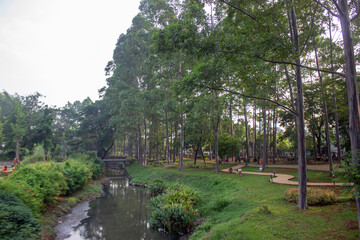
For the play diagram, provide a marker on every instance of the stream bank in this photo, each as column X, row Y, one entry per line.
column 54, row 213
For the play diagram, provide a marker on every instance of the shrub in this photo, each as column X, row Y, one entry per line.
column 77, row 174
column 179, row 193
column 174, row 211
column 16, row 219
column 98, row 167
column 174, row 218
column 315, row 196
column 157, row 187
column 40, row 183
column 43, row 179
column 25, row 193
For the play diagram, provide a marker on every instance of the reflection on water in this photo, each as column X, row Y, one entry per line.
column 120, row 214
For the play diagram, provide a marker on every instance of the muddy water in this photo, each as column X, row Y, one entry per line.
column 120, row 214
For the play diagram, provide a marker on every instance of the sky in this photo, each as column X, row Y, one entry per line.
column 60, row 48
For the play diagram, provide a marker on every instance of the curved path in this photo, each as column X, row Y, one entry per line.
column 283, row 179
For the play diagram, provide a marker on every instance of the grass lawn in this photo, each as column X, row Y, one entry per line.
column 230, row 207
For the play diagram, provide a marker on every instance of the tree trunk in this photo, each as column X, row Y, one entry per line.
column 167, row 147
column 247, row 136
column 210, row 150
column 202, row 156
column 327, row 134
column 145, row 142
column 140, row 145
column 157, row 145
column 151, row 141
column 302, row 204
column 181, row 128
column 181, row 138
column 274, row 135
column 17, row 149
column 339, row 155
column 216, row 130
column 352, row 92
column 254, row 134
column 130, row 145
column 230, row 120
column 175, row 138
column 264, row 140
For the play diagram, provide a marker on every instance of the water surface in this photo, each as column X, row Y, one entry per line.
column 120, row 214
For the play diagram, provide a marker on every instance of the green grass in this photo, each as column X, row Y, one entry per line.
column 230, row 207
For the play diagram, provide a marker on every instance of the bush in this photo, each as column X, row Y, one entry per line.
column 315, row 196
column 157, row 187
column 40, row 183
column 179, row 193
column 44, row 180
column 174, row 211
column 25, row 193
column 77, row 174
column 174, row 218
column 95, row 164
column 16, row 219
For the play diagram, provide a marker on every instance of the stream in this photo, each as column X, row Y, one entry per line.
column 120, row 214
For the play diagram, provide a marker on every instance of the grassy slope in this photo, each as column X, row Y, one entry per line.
column 239, row 218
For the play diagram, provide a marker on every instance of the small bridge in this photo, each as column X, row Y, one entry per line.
column 115, row 163
column 115, row 167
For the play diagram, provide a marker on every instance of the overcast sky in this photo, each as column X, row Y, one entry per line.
column 60, row 48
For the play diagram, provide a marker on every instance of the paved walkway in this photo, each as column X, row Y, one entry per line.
column 321, row 168
column 283, row 179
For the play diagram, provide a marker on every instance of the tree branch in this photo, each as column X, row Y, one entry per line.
column 284, row 62
column 355, row 17
column 239, row 9
column 254, row 97
column 311, row 27
column 338, row 7
column 331, row 12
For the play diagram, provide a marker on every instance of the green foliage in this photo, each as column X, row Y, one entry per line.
column 350, row 173
column 95, row 164
column 76, row 173
column 42, row 180
column 16, row 219
column 40, row 183
column 228, row 146
column 315, row 196
column 174, row 211
column 37, row 156
column 157, row 187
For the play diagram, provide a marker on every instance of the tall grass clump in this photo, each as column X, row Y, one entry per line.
column 174, row 211
column 315, row 196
